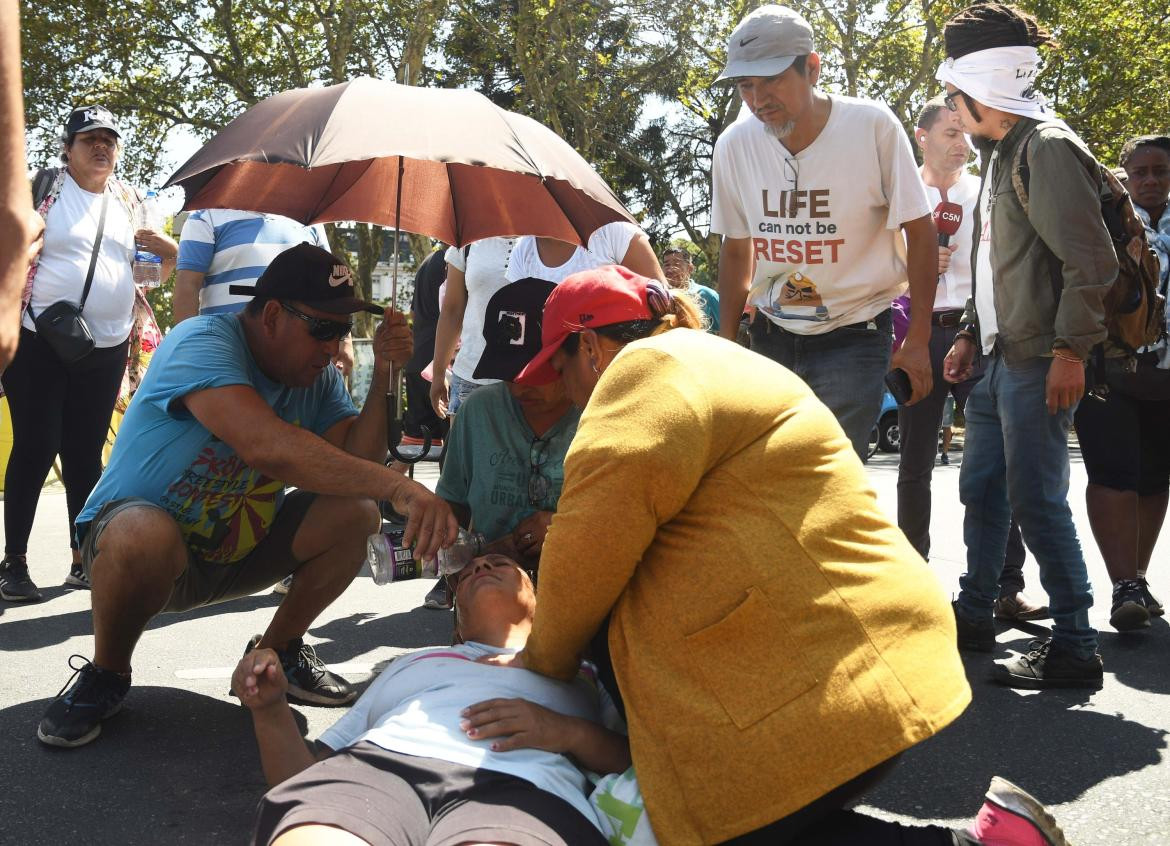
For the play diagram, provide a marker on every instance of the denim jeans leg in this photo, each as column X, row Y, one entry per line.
column 1036, row 451
column 845, row 369
column 458, row 391
column 983, row 492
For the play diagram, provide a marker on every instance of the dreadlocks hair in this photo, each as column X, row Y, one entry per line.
column 986, row 25
column 1161, row 142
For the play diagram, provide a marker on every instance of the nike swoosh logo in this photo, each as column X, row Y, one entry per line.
column 743, row 42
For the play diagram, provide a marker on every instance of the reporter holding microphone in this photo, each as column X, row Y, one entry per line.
column 953, row 193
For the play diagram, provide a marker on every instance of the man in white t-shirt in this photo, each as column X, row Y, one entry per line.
column 945, row 152
column 441, row 747
column 810, row 192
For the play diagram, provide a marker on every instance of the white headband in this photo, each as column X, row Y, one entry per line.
column 1002, row 78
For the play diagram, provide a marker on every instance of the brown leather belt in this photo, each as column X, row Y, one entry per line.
column 947, row 319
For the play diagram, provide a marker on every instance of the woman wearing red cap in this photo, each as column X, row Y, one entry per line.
column 775, row 638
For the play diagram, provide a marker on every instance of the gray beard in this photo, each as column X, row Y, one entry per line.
column 783, row 131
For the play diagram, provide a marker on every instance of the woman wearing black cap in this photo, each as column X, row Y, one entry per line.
column 63, row 407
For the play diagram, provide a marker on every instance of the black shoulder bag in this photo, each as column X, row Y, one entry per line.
column 61, row 325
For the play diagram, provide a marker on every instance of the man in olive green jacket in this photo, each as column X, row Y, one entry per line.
column 1036, row 312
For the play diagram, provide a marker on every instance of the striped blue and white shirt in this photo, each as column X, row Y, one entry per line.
column 234, row 247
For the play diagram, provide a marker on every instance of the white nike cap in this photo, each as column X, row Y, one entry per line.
column 766, row 43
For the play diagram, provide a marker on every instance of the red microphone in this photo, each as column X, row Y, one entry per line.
column 948, row 217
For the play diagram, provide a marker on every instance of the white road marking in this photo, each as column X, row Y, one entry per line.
column 347, row 669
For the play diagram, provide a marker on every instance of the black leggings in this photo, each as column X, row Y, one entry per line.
column 57, row 409
column 827, row 822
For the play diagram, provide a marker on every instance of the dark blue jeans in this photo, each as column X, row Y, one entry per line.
column 1015, row 461
column 844, row 368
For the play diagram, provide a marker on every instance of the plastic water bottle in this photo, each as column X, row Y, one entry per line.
column 147, row 265
column 453, row 559
column 392, row 561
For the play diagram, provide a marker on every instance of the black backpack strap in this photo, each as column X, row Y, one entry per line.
column 1021, row 172
column 97, row 244
column 41, row 185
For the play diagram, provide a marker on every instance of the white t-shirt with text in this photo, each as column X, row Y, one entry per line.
column 70, row 230
column 824, row 223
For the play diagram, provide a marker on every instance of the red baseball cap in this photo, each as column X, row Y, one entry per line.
column 586, row 300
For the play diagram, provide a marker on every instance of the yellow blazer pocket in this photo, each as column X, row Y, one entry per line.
column 748, row 661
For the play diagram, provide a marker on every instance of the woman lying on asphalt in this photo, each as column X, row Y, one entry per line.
column 441, row 748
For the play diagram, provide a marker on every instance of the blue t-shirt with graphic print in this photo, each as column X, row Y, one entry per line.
column 223, row 507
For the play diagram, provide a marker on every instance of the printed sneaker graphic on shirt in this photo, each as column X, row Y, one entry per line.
column 796, row 298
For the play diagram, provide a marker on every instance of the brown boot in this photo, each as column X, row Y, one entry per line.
column 1017, row 606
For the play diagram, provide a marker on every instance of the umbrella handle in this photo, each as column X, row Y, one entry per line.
column 394, row 424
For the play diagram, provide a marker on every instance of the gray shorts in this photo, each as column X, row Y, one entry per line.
column 206, row 583
column 390, row 799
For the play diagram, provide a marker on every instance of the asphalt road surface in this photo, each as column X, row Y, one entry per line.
column 179, row 764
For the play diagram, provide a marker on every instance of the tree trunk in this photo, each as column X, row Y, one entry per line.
column 369, row 248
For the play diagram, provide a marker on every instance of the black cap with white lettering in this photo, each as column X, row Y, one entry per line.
column 87, row 118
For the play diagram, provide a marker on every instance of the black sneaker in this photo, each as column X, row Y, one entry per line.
column 1156, row 609
column 15, row 584
column 77, row 578
column 439, row 597
column 76, row 718
column 1129, row 606
column 974, row 636
column 309, row 680
column 1049, row 664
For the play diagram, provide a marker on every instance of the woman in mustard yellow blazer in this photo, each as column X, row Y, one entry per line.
column 774, row 636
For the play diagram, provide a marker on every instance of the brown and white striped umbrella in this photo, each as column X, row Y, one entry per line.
column 441, row 162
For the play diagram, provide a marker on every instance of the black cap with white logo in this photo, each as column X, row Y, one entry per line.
column 87, row 118
column 310, row 275
column 512, row 328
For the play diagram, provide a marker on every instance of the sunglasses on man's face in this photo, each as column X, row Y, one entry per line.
column 949, row 100
column 319, row 328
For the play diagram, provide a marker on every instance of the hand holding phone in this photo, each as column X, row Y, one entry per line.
column 898, row 384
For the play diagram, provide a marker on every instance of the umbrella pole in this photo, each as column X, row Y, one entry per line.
column 394, row 397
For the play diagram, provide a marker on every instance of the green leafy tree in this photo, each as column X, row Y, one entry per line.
column 200, row 64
